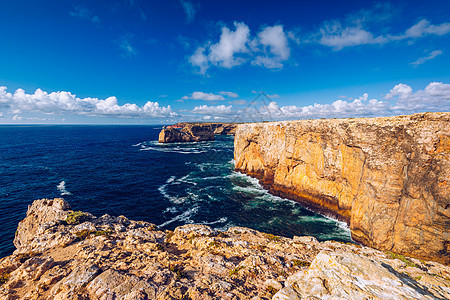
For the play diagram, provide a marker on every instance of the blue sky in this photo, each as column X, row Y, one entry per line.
column 154, row 62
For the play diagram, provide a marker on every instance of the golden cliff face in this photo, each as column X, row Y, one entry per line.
column 387, row 177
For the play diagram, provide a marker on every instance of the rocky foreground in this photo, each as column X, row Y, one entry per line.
column 62, row 254
column 387, row 177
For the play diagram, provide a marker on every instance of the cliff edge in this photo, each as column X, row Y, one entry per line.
column 64, row 254
column 387, row 177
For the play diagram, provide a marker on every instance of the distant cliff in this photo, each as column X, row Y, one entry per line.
column 65, row 254
column 194, row 132
column 387, row 177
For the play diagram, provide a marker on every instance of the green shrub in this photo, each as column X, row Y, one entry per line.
column 169, row 235
column 271, row 290
column 402, row 258
column 301, row 263
column 235, row 271
column 179, row 273
column 83, row 234
column 4, row 275
column 77, row 217
column 272, row 237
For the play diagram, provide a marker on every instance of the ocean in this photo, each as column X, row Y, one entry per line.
column 123, row 170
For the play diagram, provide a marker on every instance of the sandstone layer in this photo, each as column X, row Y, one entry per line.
column 62, row 254
column 387, row 177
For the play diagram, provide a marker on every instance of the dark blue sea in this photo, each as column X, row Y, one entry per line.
column 123, row 170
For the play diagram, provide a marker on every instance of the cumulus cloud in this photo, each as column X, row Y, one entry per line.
column 190, row 9
column 213, row 110
column 276, row 47
column 230, row 43
column 203, row 96
column 435, row 97
column 67, row 103
column 400, row 100
column 269, row 48
column 430, row 56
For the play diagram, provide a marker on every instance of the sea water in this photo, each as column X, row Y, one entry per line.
column 123, row 170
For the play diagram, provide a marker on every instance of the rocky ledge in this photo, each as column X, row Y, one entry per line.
column 62, row 254
column 195, row 132
column 387, row 177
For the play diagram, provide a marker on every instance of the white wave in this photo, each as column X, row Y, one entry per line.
column 184, row 217
column 256, row 187
column 221, row 220
column 62, row 188
column 172, row 209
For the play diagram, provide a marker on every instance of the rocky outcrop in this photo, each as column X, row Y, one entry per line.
column 387, row 177
column 62, row 254
column 189, row 133
column 195, row 132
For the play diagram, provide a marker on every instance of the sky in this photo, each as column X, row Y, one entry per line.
column 165, row 61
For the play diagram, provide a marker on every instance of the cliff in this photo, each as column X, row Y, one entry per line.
column 387, row 177
column 62, row 254
column 195, row 132
column 189, row 133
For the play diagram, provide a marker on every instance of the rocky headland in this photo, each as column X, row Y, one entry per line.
column 387, row 177
column 66, row 254
column 195, row 132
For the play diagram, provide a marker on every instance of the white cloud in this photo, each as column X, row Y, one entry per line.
column 275, row 38
column 190, row 10
column 268, row 49
column 337, row 36
column 231, row 43
column 435, row 97
column 430, row 56
column 200, row 60
column 203, row 96
column 229, row 94
column 1, row 114
column 400, row 100
column 276, row 41
column 67, row 103
column 424, row 27
column 213, row 110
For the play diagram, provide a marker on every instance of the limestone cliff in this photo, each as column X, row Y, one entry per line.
column 62, row 254
column 195, row 132
column 189, row 133
column 387, row 177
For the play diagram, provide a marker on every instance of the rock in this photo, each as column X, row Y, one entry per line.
column 386, row 177
column 343, row 275
column 189, row 133
column 195, row 132
column 39, row 215
column 137, row 261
